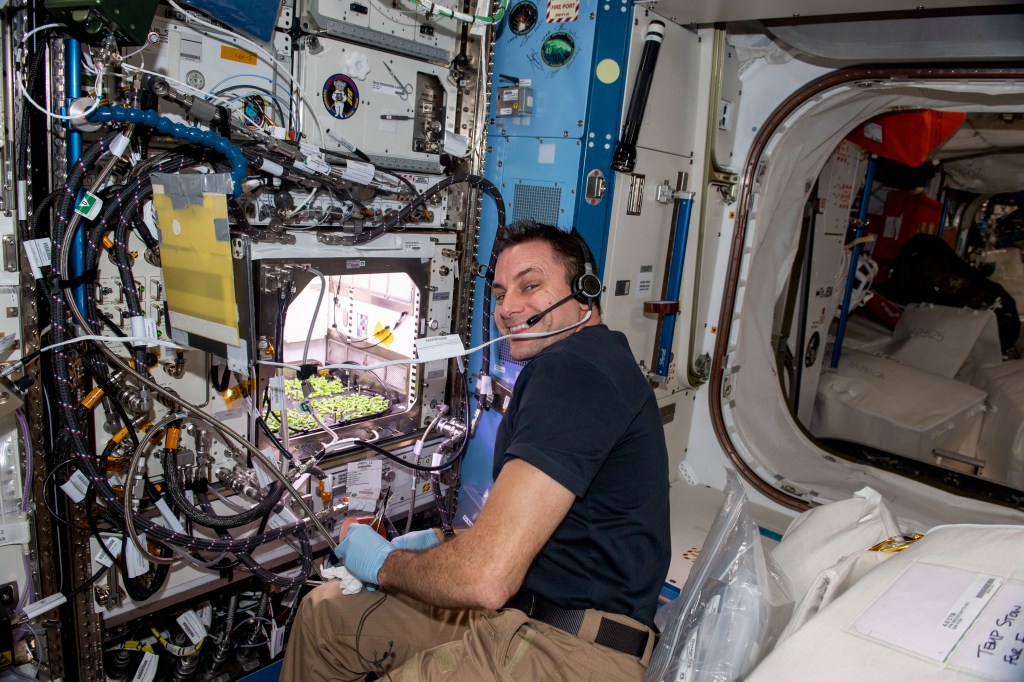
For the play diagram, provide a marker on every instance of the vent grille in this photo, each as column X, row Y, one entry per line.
column 533, row 202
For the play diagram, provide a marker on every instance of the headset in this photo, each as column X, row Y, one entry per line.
column 584, row 289
column 588, row 285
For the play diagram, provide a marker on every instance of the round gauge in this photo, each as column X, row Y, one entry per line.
column 558, row 49
column 195, row 79
column 340, row 96
column 523, row 17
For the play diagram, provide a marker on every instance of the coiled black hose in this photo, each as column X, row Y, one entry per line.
column 175, row 488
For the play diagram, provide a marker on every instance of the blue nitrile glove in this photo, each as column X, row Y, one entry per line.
column 417, row 540
column 363, row 552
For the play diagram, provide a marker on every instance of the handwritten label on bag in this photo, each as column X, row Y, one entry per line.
column 364, row 483
column 994, row 647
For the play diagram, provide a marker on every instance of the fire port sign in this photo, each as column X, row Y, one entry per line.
column 562, row 10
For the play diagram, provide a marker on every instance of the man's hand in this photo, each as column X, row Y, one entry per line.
column 363, row 552
column 417, row 540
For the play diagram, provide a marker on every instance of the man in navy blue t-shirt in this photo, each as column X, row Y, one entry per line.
column 558, row 578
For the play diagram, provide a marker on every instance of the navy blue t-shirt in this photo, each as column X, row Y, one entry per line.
column 583, row 413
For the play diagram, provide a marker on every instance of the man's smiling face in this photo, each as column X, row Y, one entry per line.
column 528, row 278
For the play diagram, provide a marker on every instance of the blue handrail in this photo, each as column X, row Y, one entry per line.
column 675, row 280
column 851, row 276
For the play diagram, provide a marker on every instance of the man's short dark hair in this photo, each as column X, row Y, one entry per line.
column 569, row 247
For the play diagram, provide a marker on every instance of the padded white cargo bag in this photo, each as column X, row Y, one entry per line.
column 1001, row 445
column 866, row 335
column 953, row 342
column 904, row 410
column 949, row 607
column 820, row 537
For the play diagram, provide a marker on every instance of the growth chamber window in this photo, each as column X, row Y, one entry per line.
column 350, row 319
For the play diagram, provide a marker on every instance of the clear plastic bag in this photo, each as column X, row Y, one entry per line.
column 733, row 607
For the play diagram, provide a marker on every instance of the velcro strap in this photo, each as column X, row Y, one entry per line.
column 87, row 277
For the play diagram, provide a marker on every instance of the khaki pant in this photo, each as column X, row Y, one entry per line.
column 339, row 637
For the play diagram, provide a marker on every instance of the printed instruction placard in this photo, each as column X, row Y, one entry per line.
column 363, row 484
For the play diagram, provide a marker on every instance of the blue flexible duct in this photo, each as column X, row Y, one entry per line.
column 239, row 164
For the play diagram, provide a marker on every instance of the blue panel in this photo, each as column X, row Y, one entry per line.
column 669, row 592
column 550, row 166
column 513, row 166
column 254, row 17
column 559, row 93
column 603, row 120
column 269, row 674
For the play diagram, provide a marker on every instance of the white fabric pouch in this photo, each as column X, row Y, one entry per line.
column 820, row 537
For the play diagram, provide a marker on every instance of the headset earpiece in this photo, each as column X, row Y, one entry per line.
column 587, row 286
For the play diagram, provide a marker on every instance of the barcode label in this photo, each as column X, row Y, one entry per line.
column 137, row 564
column 193, row 626
column 191, row 50
column 113, row 546
column 276, row 641
column 38, row 253
column 147, row 669
column 276, row 393
column 76, row 487
column 168, row 516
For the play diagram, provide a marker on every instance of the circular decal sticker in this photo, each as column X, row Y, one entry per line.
column 558, row 49
column 254, row 108
column 341, row 96
column 522, row 18
column 608, row 71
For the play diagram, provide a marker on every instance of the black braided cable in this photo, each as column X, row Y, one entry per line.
column 176, row 489
column 71, row 430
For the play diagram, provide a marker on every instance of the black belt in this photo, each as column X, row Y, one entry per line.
column 610, row 633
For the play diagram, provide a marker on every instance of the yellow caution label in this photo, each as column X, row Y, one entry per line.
column 6, row 658
column 237, row 54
